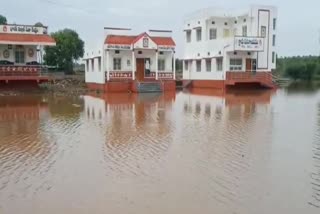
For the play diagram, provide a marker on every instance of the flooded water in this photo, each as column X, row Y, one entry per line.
column 186, row 152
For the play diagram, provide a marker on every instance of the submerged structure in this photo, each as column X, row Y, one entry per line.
column 229, row 48
column 21, row 51
column 137, row 63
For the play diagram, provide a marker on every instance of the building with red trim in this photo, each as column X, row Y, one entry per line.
column 21, row 49
column 137, row 63
column 230, row 48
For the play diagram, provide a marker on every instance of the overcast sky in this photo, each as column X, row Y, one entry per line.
column 298, row 20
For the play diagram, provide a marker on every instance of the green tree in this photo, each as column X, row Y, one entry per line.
column 3, row 20
column 38, row 24
column 69, row 48
column 295, row 71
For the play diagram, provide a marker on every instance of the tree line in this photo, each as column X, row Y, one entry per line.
column 299, row 67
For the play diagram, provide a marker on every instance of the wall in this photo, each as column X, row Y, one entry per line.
column 95, row 75
column 12, row 56
column 127, row 55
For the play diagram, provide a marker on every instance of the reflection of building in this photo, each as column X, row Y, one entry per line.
column 134, row 126
column 21, row 49
column 228, row 138
column 224, row 48
column 126, row 62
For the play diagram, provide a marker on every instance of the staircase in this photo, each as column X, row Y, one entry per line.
column 148, row 87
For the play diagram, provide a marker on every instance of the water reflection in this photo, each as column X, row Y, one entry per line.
column 315, row 175
column 187, row 152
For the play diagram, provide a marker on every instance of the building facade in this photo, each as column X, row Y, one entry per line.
column 226, row 48
column 21, row 51
column 126, row 62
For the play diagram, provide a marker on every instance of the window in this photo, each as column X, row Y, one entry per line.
column 161, row 64
column 208, row 65
column 99, row 63
column 117, row 52
column 213, row 22
column 235, row 64
column 274, row 40
column 219, row 64
column 274, row 23
column 128, row 62
column 198, row 65
column 226, row 33
column 87, row 65
column 263, row 31
column 212, row 33
column 226, row 23
column 188, row 35
column 244, row 30
column 19, row 55
column 117, row 64
column 186, row 65
column 273, row 57
column 161, row 53
column 199, row 35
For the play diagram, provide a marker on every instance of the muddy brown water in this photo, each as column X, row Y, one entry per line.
column 186, row 152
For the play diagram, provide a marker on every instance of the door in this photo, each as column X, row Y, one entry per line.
column 147, row 67
column 140, row 69
column 248, row 65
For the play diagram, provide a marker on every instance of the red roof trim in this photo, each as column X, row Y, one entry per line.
column 26, row 38
column 129, row 40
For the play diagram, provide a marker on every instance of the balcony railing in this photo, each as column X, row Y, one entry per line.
column 249, row 76
column 23, row 70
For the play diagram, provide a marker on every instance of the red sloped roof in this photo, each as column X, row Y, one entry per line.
column 128, row 40
column 119, row 40
column 7, row 38
column 167, row 41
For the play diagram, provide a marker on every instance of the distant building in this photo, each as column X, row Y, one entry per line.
column 21, row 50
column 225, row 48
column 139, row 63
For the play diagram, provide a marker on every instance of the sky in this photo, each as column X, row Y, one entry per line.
column 298, row 20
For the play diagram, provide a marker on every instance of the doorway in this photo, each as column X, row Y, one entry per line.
column 251, row 65
column 140, row 69
column 143, row 68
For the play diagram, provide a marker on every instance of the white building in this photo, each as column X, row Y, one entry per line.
column 126, row 62
column 227, row 47
column 21, row 50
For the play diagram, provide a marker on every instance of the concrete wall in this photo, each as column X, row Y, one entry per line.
column 93, row 71
column 12, row 54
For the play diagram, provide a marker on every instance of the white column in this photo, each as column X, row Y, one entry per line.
column 174, row 65
column 214, row 64
column 133, row 64
column 157, row 70
column 107, row 65
column 203, row 65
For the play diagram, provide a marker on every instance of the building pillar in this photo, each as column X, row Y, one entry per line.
column 174, row 65
column 156, row 64
column 133, row 65
column 214, row 64
column 203, row 65
column 107, row 65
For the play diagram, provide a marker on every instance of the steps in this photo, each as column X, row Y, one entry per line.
column 148, row 87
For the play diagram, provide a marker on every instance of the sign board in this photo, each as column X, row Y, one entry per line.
column 23, row 29
column 244, row 43
column 119, row 47
column 145, row 42
column 165, row 48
